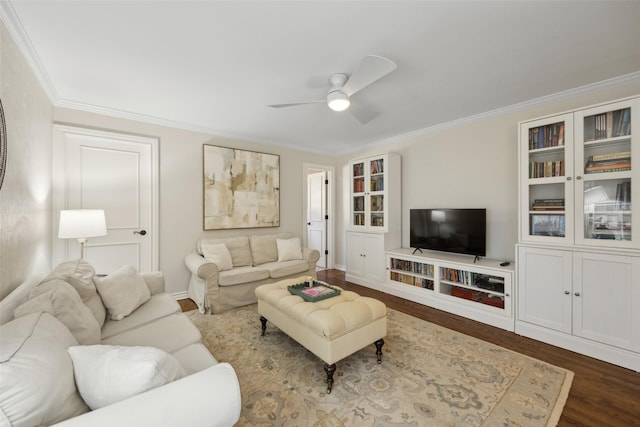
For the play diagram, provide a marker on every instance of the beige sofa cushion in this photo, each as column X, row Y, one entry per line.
column 80, row 274
column 264, row 247
column 122, row 291
column 60, row 299
column 289, row 249
column 278, row 270
column 169, row 333
column 242, row 275
column 219, row 254
column 37, row 386
column 238, row 248
column 160, row 305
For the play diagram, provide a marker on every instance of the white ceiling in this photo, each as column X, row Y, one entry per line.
column 213, row 66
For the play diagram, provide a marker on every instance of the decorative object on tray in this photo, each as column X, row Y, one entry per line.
column 316, row 292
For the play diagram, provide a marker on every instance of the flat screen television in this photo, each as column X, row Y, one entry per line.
column 462, row 231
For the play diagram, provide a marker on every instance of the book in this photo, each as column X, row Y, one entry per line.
column 610, row 156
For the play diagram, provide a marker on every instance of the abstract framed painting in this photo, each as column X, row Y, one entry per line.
column 241, row 189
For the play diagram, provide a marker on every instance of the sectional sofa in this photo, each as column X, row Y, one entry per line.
column 81, row 350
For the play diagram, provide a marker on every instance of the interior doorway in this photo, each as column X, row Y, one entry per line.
column 319, row 215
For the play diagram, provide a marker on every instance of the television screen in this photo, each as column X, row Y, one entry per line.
column 462, row 231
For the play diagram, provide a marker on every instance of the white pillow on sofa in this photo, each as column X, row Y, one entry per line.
column 122, row 291
column 219, row 254
column 106, row 374
column 289, row 249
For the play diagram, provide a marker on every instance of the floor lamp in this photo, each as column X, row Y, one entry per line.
column 81, row 224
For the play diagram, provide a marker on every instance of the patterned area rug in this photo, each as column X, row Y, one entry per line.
column 429, row 376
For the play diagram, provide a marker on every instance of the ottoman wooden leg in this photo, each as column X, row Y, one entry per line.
column 379, row 345
column 263, row 320
column 329, row 369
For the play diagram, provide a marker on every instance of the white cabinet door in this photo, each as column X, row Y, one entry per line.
column 366, row 257
column 374, row 257
column 606, row 299
column 544, row 288
column 355, row 259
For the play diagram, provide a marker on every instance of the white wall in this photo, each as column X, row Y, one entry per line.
column 473, row 164
column 181, row 186
column 25, row 202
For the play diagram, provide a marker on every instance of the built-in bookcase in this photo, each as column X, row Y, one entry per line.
column 578, row 178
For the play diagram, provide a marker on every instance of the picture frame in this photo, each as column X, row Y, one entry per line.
column 241, row 188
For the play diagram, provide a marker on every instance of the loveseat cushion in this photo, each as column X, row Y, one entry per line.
column 219, row 254
column 289, row 249
column 80, row 274
column 242, row 275
column 107, row 374
column 238, row 248
column 60, row 299
column 286, row 268
column 263, row 248
column 36, row 374
column 160, row 305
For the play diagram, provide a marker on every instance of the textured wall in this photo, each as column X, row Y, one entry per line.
column 25, row 204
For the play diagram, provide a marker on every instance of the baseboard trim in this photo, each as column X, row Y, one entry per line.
column 180, row 295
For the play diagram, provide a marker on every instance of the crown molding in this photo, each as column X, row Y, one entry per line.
column 15, row 28
column 559, row 96
column 17, row 32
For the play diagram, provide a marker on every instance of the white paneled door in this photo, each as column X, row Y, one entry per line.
column 115, row 172
column 316, row 214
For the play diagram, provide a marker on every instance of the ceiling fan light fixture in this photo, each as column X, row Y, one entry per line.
column 338, row 100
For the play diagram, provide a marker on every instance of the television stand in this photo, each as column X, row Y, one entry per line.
column 416, row 249
column 481, row 290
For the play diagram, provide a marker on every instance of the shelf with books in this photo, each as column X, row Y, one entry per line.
column 371, row 178
column 477, row 287
column 478, row 290
column 607, row 125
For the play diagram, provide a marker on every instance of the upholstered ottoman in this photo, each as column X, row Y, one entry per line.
column 332, row 329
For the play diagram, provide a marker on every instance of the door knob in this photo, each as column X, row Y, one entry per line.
column 141, row 232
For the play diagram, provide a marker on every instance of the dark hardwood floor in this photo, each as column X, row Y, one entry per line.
column 601, row 395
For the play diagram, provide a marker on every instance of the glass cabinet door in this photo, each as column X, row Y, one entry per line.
column 547, row 181
column 605, row 176
column 376, row 192
column 358, row 195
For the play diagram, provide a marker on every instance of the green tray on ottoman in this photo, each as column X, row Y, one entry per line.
column 317, row 292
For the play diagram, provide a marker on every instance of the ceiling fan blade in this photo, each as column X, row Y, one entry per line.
column 363, row 114
column 371, row 68
column 293, row 104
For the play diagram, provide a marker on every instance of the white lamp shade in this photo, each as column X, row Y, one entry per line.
column 82, row 223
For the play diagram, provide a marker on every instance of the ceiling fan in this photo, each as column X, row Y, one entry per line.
column 343, row 87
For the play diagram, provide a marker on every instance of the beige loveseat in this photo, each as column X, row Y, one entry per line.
column 63, row 354
column 219, row 284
